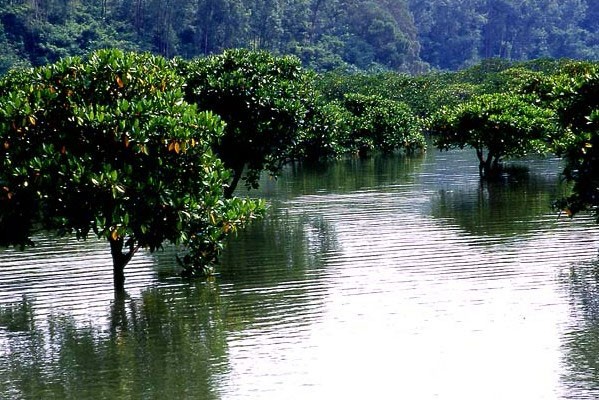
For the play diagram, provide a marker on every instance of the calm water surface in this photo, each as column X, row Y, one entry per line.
column 394, row 278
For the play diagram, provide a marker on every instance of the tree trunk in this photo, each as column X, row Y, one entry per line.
column 487, row 166
column 481, row 163
column 118, row 314
column 237, row 172
column 119, row 261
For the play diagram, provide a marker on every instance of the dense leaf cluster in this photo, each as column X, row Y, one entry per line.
column 576, row 98
column 264, row 101
column 108, row 144
column 379, row 124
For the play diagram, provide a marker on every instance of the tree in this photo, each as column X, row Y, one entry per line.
column 501, row 124
column 326, row 134
column 107, row 144
column 450, row 32
column 381, row 124
column 263, row 100
column 576, row 95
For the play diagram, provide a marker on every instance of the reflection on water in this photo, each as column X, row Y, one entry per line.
column 140, row 354
column 499, row 208
column 391, row 277
column 581, row 344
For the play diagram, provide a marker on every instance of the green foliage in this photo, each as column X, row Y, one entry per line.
column 381, row 124
column 38, row 33
column 455, row 34
column 375, row 35
column 424, row 94
column 576, row 98
column 107, row 144
column 263, row 100
column 326, row 132
column 502, row 124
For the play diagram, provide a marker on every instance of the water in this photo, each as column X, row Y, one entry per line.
column 394, row 278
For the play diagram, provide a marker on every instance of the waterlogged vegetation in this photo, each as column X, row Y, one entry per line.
column 108, row 146
column 143, row 151
column 402, row 219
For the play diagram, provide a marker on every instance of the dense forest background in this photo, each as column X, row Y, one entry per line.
column 401, row 35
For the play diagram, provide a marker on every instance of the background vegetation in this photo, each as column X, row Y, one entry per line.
column 400, row 35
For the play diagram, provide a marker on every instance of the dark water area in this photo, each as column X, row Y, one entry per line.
column 390, row 278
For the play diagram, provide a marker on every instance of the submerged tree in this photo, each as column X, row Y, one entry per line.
column 576, row 96
column 381, row 124
column 263, row 100
column 495, row 125
column 108, row 145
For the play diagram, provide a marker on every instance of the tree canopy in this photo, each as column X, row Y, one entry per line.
column 379, row 124
column 264, row 101
column 500, row 124
column 576, row 99
column 107, row 144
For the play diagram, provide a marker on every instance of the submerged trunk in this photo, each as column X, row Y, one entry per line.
column 119, row 261
column 489, row 166
column 481, row 163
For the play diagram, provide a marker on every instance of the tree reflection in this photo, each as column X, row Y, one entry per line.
column 273, row 269
column 581, row 342
column 505, row 208
column 170, row 340
column 168, row 344
column 343, row 176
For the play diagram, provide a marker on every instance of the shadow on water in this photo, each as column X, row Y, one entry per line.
column 281, row 247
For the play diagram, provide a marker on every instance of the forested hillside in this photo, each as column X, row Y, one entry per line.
column 401, row 35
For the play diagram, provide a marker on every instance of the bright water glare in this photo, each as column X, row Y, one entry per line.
column 390, row 278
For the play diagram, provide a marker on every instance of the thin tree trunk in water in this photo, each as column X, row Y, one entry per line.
column 118, row 313
column 119, row 261
column 488, row 166
column 481, row 163
column 496, row 163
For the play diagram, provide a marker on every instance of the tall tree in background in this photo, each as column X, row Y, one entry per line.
column 450, row 31
column 375, row 36
column 217, row 25
column 396, row 35
column 457, row 33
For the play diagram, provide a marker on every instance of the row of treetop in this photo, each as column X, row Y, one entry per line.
column 142, row 150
